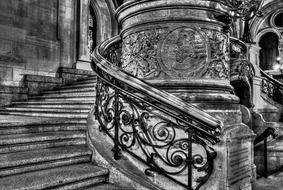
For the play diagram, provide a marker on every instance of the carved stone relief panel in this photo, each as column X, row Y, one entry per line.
column 139, row 56
column 184, row 52
column 218, row 67
column 180, row 53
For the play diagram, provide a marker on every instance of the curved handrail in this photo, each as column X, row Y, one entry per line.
column 166, row 99
column 264, row 74
column 152, row 125
column 269, row 131
column 272, row 87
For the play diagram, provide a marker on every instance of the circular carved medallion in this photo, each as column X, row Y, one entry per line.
column 184, row 51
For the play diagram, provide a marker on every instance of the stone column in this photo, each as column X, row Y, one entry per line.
column 66, row 32
column 254, row 50
column 280, row 48
column 180, row 46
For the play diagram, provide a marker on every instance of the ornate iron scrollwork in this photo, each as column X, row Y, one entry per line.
column 169, row 143
column 272, row 90
column 166, row 145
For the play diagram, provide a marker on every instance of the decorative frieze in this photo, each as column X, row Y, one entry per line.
column 139, row 56
column 179, row 53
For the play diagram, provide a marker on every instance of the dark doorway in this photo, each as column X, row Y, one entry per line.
column 269, row 50
column 92, row 30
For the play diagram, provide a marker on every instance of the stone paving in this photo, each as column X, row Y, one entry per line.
column 273, row 182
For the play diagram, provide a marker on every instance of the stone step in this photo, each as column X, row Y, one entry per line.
column 13, row 139
column 273, row 182
column 82, row 82
column 274, row 156
column 94, row 77
column 40, row 128
column 77, row 86
column 107, row 186
column 41, row 145
column 20, row 162
column 26, row 120
column 53, row 103
column 67, row 177
column 90, row 98
column 70, row 90
column 53, row 110
column 74, row 105
column 87, row 79
column 66, row 95
column 46, row 114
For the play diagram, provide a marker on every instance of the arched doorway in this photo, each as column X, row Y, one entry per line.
column 96, row 23
column 269, row 51
column 92, row 30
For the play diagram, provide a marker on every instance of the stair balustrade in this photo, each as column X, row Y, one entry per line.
column 272, row 88
column 263, row 137
column 170, row 137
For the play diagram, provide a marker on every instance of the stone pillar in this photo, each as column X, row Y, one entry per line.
column 180, row 46
column 67, row 32
column 254, row 50
column 104, row 23
column 280, row 48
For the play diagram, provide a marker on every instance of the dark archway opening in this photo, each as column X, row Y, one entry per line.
column 269, row 51
column 278, row 20
column 119, row 3
column 92, row 30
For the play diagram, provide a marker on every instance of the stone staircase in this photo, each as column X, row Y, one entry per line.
column 43, row 141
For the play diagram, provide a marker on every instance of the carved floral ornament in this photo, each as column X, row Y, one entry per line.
column 184, row 52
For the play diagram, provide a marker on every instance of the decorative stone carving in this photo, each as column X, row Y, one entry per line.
column 218, row 67
column 139, row 55
column 184, row 51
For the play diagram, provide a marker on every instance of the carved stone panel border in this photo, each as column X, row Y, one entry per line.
column 177, row 52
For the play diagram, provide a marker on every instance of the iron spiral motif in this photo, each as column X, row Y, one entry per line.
column 164, row 141
column 272, row 90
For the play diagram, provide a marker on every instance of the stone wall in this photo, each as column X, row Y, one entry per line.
column 36, row 37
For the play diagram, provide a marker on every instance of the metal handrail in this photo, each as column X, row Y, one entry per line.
column 125, row 106
column 272, row 87
column 264, row 74
column 168, row 100
column 263, row 137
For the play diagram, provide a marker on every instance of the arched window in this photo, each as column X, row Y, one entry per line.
column 269, row 51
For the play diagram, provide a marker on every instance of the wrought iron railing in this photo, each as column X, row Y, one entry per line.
column 263, row 137
column 169, row 136
column 272, row 88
